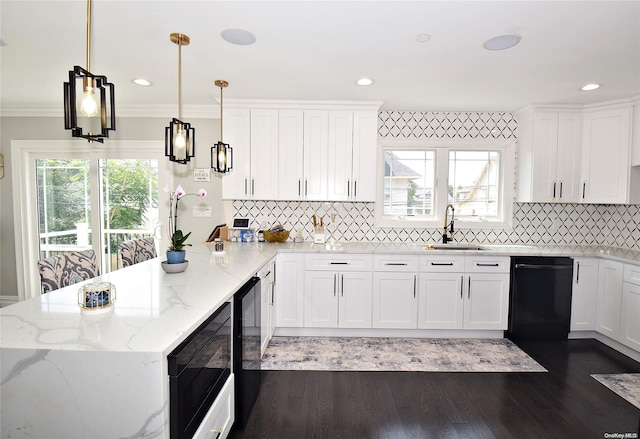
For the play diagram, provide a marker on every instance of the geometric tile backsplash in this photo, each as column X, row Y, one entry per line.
column 533, row 223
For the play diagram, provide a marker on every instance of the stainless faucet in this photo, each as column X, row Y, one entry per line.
column 445, row 234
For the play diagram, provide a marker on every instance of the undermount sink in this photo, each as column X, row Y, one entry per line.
column 452, row 247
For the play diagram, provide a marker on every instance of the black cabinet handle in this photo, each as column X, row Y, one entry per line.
column 577, row 272
column 478, row 264
column 338, row 263
column 450, row 264
column 554, row 189
column 395, row 263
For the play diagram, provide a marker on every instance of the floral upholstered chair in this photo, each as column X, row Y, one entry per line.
column 67, row 269
column 137, row 250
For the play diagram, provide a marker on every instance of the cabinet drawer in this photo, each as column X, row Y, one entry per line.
column 487, row 264
column 441, row 264
column 395, row 263
column 632, row 274
column 217, row 422
column 339, row 262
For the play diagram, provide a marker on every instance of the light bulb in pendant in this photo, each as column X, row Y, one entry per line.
column 88, row 104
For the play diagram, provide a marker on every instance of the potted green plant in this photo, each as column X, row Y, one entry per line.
column 175, row 252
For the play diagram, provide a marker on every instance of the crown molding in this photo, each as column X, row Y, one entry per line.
column 294, row 104
column 151, row 111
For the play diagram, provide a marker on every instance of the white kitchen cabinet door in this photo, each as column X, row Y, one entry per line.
column 486, row 301
column 291, row 155
column 609, row 298
column 267, row 304
column 340, row 155
column 237, row 133
column 395, row 300
column 549, row 159
column 355, row 301
column 584, row 294
column 321, row 290
column 365, row 146
column 272, row 307
column 568, row 157
column 316, row 142
column 440, row 301
column 218, row 421
column 606, row 156
column 289, row 290
column 630, row 316
column 264, row 155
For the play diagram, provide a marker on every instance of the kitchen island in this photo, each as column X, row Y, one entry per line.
column 65, row 374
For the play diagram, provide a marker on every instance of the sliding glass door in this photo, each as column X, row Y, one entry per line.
column 86, row 198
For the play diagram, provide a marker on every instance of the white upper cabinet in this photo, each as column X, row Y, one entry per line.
column 549, row 156
column 316, row 142
column 290, row 151
column 606, row 157
column 253, row 136
column 237, row 133
column 301, row 150
column 365, row 146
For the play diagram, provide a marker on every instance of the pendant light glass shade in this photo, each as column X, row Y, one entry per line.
column 179, row 136
column 221, row 153
column 89, row 110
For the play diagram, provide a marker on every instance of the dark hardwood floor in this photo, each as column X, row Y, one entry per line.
column 563, row 403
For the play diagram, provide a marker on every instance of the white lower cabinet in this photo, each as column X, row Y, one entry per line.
column 476, row 298
column 630, row 312
column 337, row 290
column 395, row 285
column 219, row 419
column 289, row 290
column 610, row 275
column 584, row 294
column 267, row 304
column 337, row 299
column 395, row 300
column 441, row 301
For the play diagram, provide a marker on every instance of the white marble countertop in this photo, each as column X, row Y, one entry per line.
column 154, row 311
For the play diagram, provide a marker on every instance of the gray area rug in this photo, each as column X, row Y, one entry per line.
column 626, row 385
column 396, row 354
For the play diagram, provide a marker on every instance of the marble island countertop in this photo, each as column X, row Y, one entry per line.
column 153, row 311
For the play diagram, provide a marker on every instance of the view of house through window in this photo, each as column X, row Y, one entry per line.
column 409, row 180
column 474, row 181
column 471, row 179
column 127, row 202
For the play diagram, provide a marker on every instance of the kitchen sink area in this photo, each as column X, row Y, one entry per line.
column 468, row 247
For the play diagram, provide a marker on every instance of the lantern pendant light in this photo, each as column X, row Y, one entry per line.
column 221, row 153
column 92, row 96
column 179, row 136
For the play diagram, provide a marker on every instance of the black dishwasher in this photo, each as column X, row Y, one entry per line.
column 540, row 297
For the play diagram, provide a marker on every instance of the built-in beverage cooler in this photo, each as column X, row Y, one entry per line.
column 246, row 349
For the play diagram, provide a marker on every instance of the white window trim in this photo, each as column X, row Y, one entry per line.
column 507, row 147
column 25, row 216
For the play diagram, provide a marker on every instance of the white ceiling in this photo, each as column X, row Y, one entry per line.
column 317, row 49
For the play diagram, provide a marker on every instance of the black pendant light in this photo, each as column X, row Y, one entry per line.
column 179, row 136
column 221, row 153
column 89, row 110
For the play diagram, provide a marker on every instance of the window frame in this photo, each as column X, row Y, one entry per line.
column 23, row 156
column 442, row 147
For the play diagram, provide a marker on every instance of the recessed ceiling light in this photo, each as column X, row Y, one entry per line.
column 239, row 37
column 502, row 42
column 590, row 87
column 141, row 81
column 364, row 81
column 423, row 38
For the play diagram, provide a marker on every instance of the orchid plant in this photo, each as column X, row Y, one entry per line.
column 176, row 236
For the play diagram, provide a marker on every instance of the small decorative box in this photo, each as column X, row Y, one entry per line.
column 96, row 298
